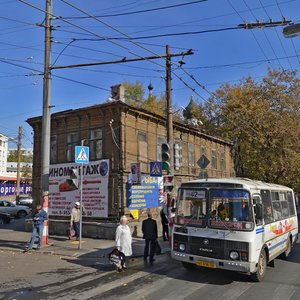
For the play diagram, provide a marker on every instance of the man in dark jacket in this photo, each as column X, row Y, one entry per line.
column 164, row 223
column 149, row 229
column 38, row 225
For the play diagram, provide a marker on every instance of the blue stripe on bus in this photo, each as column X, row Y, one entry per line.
column 260, row 230
column 278, row 244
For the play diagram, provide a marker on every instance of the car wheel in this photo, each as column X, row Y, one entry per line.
column 21, row 214
column 260, row 273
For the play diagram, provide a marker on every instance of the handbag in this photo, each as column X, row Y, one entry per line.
column 117, row 258
column 71, row 232
column 157, row 248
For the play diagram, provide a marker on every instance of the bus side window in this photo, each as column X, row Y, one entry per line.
column 291, row 203
column 267, row 206
column 284, row 205
column 277, row 210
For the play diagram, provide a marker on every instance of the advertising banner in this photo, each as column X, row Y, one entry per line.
column 63, row 195
column 8, row 189
column 146, row 195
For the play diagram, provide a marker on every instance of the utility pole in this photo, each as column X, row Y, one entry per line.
column 170, row 139
column 46, row 119
column 19, row 147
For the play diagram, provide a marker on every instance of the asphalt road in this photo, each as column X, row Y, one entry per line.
column 39, row 276
column 30, row 276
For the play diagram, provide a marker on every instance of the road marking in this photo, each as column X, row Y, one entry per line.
column 283, row 292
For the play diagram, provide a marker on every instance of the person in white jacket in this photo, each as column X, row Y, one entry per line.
column 123, row 238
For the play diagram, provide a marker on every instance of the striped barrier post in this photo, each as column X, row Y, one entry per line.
column 45, row 204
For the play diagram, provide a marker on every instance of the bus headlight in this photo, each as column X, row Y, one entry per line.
column 234, row 255
column 182, row 247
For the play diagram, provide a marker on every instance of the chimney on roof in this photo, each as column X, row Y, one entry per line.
column 118, row 92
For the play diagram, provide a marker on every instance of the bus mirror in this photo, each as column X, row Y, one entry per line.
column 258, row 211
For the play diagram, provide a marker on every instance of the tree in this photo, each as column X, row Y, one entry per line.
column 261, row 119
column 135, row 96
column 134, row 93
column 13, row 157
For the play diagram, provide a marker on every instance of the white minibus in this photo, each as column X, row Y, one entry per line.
column 236, row 224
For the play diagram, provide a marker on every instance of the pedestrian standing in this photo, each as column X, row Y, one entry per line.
column 123, row 239
column 164, row 223
column 38, row 219
column 149, row 229
column 75, row 219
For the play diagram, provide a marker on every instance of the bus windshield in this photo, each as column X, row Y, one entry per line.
column 230, row 208
column 191, row 207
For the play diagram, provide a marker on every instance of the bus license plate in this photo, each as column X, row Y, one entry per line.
column 206, row 264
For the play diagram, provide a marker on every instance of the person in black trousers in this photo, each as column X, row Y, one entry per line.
column 149, row 229
column 164, row 223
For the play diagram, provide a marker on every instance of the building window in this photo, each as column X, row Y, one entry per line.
column 142, row 147
column 214, row 159
column 177, row 155
column 53, row 149
column 223, row 161
column 203, row 150
column 160, row 140
column 191, row 149
column 96, row 144
column 72, row 141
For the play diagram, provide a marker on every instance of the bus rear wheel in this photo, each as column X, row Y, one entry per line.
column 260, row 273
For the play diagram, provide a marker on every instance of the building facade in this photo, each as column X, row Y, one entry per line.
column 125, row 135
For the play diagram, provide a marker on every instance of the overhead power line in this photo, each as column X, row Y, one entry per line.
column 139, row 11
column 163, row 35
column 242, row 63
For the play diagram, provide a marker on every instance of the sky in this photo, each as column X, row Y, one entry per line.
column 102, row 31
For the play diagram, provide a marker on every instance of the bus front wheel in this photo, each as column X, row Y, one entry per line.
column 260, row 273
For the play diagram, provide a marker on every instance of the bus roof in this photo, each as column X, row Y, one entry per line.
column 235, row 182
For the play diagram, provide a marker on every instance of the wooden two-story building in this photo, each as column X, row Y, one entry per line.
column 124, row 134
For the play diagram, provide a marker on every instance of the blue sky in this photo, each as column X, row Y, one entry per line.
column 219, row 57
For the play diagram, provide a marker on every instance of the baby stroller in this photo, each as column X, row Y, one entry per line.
column 118, row 259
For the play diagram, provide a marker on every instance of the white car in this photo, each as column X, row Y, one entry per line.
column 19, row 211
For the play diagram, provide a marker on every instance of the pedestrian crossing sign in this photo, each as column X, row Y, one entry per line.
column 82, row 154
column 156, row 168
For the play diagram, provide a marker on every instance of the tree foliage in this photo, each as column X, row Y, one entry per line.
column 13, row 157
column 261, row 118
column 135, row 96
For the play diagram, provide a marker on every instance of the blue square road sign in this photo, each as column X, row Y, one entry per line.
column 82, row 154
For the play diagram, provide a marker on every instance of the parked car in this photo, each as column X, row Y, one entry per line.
column 19, row 211
column 4, row 218
column 24, row 200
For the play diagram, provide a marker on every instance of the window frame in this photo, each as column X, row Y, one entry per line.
column 70, row 146
column 93, row 144
column 191, row 154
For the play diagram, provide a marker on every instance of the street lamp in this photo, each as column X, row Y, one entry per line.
column 291, row 31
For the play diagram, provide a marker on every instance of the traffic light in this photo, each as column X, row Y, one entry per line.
column 74, row 178
column 165, row 156
column 168, row 183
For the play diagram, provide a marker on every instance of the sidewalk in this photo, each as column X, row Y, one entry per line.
column 11, row 240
